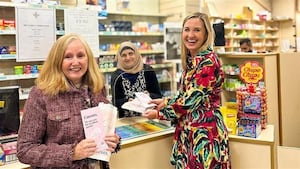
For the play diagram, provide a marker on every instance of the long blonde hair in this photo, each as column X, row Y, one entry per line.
column 209, row 35
column 51, row 79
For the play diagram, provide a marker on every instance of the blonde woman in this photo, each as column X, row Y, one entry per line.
column 51, row 134
column 201, row 137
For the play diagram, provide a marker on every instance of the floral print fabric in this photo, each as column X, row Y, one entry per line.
column 201, row 138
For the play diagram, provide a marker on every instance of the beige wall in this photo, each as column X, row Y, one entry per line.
column 284, row 8
column 227, row 8
column 178, row 9
column 136, row 6
column 288, row 157
column 289, row 95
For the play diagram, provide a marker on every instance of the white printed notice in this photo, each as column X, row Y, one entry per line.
column 85, row 23
column 36, row 33
column 97, row 123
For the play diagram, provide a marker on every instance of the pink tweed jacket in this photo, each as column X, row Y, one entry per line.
column 51, row 126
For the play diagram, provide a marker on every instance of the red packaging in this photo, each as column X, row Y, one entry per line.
column 9, row 24
column 10, row 150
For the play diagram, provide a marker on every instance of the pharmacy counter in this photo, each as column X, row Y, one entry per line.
column 153, row 151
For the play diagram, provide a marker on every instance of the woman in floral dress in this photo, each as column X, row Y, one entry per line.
column 201, row 137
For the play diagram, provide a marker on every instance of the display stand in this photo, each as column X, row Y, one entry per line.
column 270, row 63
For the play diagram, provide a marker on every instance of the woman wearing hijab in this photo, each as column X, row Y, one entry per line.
column 131, row 76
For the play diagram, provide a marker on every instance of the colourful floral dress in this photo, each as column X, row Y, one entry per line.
column 201, row 138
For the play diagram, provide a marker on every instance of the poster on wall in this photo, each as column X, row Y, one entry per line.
column 35, row 33
column 85, row 23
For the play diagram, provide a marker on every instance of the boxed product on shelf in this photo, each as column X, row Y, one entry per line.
column 4, row 50
column 252, row 111
column 10, row 150
column 249, row 130
column 7, row 24
column 2, row 156
column 7, row 49
column 253, row 104
column 1, row 24
column 229, row 113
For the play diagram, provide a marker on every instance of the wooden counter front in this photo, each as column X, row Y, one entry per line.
column 153, row 151
column 147, row 152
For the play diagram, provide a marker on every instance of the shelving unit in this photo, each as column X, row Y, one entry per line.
column 147, row 33
column 8, row 61
column 269, row 62
column 263, row 34
column 151, row 37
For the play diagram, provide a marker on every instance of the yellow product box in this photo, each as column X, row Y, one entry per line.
column 247, row 12
column 230, row 119
column 18, row 70
column 39, row 67
column 1, row 24
column 2, row 156
column 231, row 105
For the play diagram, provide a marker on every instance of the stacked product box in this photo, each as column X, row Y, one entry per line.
column 251, row 100
column 8, row 152
column 2, row 156
column 7, row 24
column 252, row 111
column 229, row 113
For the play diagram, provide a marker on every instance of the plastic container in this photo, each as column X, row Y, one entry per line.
column 18, row 70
